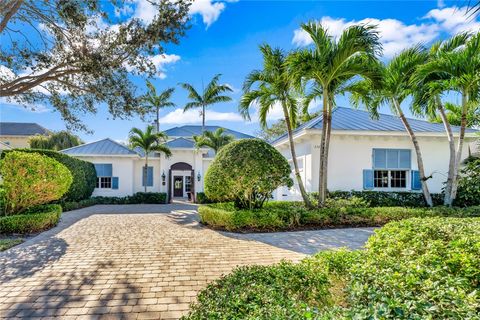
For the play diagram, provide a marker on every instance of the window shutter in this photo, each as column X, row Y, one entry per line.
column 103, row 169
column 367, row 179
column 405, row 159
column 115, row 183
column 379, row 158
column 149, row 176
column 392, row 159
column 416, row 184
column 108, row 169
column 99, row 169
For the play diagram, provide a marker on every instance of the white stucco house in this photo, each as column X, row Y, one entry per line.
column 120, row 169
column 367, row 154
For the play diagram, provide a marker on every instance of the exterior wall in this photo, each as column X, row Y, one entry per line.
column 16, row 141
column 351, row 154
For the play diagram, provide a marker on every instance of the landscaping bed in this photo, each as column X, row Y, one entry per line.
column 282, row 215
column 33, row 220
column 420, row 268
column 8, row 243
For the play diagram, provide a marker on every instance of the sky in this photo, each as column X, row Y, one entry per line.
column 225, row 36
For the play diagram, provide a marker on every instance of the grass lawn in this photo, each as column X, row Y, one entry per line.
column 8, row 243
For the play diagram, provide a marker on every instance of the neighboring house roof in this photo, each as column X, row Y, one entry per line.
column 102, row 147
column 191, row 130
column 21, row 129
column 181, row 143
column 4, row 146
column 359, row 120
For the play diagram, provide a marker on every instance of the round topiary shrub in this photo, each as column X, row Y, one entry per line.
column 247, row 172
column 31, row 179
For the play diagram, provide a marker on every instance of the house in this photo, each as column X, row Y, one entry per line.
column 120, row 169
column 367, row 154
column 17, row 134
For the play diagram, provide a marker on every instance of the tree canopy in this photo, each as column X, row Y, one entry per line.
column 75, row 55
column 55, row 141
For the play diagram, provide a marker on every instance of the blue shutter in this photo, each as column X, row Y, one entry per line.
column 114, row 182
column 379, row 158
column 99, row 169
column 367, row 179
column 149, row 176
column 392, row 159
column 416, row 184
column 108, row 169
column 405, row 159
column 103, row 169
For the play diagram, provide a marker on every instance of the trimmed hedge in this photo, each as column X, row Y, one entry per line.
column 83, row 173
column 278, row 215
column 385, row 198
column 411, row 269
column 137, row 198
column 33, row 220
column 202, row 198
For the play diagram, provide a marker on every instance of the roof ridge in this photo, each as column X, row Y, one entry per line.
column 96, row 141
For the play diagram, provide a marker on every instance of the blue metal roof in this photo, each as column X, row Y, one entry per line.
column 181, row 143
column 102, row 147
column 360, row 120
column 191, row 130
column 21, row 129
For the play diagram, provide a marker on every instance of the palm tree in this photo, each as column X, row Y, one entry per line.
column 267, row 88
column 153, row 102
column 453, row 113
column 392, row 89
column 214, row 140
column 456, row 70
column 330, row 66
column 211, row 94
column 148, row 141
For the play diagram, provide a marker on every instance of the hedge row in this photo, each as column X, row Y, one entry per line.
column 137, row 198
column 83, row 173
column 277, row 215
column 33, row 220
column 411, row 269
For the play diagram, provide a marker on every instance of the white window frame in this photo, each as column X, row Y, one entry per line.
column 98, row 184
column 390, row 188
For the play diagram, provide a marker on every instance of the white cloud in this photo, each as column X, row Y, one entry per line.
column 192, row 116
column 37, row 108
column 160, row 61
column 210, row 10
column 454, row 20
column 395, row 35
column 234, row 89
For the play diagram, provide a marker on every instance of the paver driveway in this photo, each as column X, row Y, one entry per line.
column 132, row 261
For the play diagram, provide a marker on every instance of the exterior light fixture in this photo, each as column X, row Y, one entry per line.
column 199, row 177
column 163, row 178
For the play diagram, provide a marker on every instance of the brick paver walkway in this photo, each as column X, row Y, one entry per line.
column 137, row 261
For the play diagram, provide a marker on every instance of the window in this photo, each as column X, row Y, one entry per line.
column 104, row 183
column 149, row 176
column 389, row 178
column 188, row 184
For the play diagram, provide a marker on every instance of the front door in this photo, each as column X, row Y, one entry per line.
column 178, row 186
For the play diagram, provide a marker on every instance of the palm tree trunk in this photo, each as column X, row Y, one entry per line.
column 326, row 149
column 461, row 138
column 321, row 190
column 203, row 118
column 421, row 169
column 145, row 171
column 305, row 198
column 451, row 163
column 158, row 119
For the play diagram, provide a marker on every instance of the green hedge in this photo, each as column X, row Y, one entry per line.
column 278, row 215
column 137, row 198
column 411, row 269
column 202, row 198
column 33, row 220
column 384, row 198
column 83, row 173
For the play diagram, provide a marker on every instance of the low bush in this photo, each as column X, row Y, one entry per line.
column 137, row 198
column 278, row 215
column 31, row 179
column 33, row 220
column 202, row 198
column 384, row 198
column 8, row 243
column 83, row 173
column 469, row 184
column 411, row 269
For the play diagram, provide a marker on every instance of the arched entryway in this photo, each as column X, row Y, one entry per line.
column 181, row 179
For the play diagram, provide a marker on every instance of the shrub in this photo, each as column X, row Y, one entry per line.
column 147, row 197
column 202, row 198
column 139, row 197
column 247, row 172
column 469, row 184
column 33, row 220
column 83, row 173
column 282, row 291
column 31, row 179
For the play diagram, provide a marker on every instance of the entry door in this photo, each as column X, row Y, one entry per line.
column 178, row 186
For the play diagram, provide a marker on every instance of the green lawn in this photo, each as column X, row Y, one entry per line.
column 8, row 243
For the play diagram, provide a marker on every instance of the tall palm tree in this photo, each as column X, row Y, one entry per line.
column 153, row 102
column 392, row 89
column 211, row 94
column 330, row 65
column 267, row 88
column 214, row 140
column 456, row 70
column 149, row 141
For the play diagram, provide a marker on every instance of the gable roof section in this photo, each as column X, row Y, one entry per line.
column 21, row 129
column 181, row 143
column 102, row 147
column 188, row 131
column 349, row 119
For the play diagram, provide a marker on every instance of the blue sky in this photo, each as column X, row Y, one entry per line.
column 224, row 39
